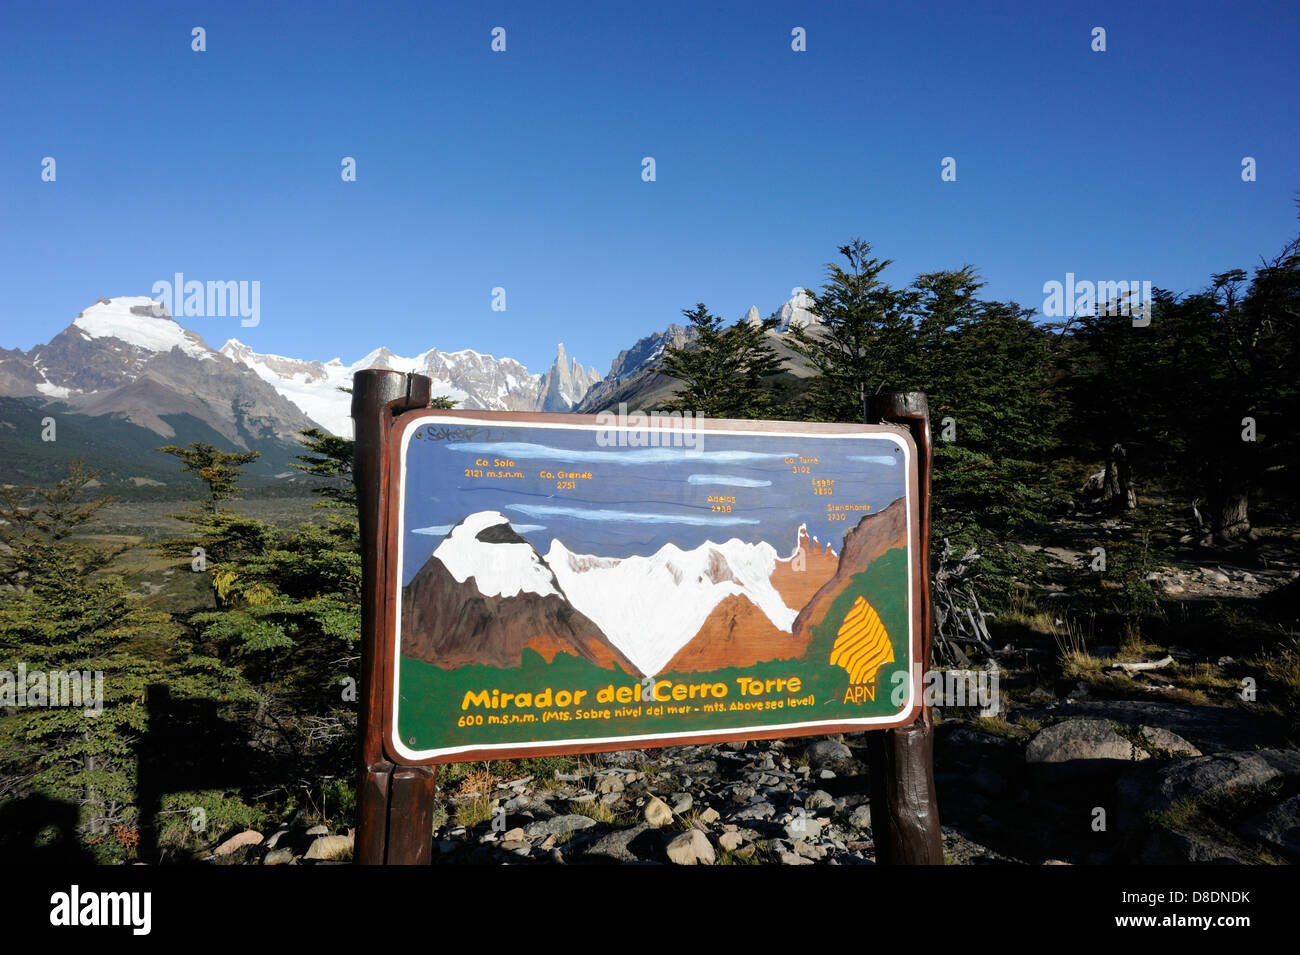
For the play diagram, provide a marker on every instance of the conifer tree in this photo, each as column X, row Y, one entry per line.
column 724, row 370
column 63, row 611
column 865, row 343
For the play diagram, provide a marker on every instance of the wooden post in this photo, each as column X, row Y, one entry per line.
column 394, row 803
column 904, row 812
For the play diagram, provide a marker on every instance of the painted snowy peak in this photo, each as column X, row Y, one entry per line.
column 484, row 546
column 651, row 607
column 132, row 321
column 485, row 597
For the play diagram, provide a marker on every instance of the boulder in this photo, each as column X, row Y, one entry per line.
column 691, row 848
column 657, row 813
column 1079, row 747
column 329, row 848
column 828, row 754
column 558, row 826
column 1278, row 827
column 1168, row 741
column 249, row 837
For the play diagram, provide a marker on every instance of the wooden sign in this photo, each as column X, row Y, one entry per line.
column 576, row 583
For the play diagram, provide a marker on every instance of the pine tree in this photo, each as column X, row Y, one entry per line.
column 219, row 470
column 865, row 343
column 62, row 610
column 724, row 370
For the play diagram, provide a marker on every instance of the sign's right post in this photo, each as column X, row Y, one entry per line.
column 904, row 811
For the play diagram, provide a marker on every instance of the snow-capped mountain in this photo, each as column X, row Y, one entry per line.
column 797, row 313
column 118, row 357
column 471, row 379
column 127, row 358
column 663, row 600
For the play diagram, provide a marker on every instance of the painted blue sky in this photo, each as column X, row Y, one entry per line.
column 522, row 169
column 641, row 498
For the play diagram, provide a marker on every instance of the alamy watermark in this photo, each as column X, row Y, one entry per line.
column 1083, row 298
column 953, row 688
column 195, row 299
column 56, row 688
column 656, row 429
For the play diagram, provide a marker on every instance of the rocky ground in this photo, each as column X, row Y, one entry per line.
column 1150, row 752
column 1094, row 783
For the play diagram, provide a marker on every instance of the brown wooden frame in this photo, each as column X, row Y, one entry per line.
column 395, row 799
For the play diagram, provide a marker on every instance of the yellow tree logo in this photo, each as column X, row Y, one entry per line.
column 862, row 647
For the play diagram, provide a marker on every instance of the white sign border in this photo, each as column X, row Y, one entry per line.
column 401, row 750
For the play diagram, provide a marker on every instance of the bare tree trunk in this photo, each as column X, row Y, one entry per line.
column 1229, row 520
column 1117, row 487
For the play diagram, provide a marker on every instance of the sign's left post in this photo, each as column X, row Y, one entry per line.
column 394, row 803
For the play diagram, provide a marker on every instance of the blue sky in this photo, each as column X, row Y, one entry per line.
column 522, row 169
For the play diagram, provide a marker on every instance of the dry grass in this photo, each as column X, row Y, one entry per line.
column 606, row 815
column 1072, row 648
column 474, row 812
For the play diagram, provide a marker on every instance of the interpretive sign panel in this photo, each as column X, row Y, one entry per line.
column 562, row 583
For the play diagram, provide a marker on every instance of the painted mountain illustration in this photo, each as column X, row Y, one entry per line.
column 650, row 607
column 485, row 595
column 734, row 636
column 737, row 633
column 874, row 535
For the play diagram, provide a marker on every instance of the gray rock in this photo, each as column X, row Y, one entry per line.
column 1212, row 775
column 318, row 831
column 1170, row 742
column 274, row 840
column 731, row 841
column 330, row 848
column 860, row 818
column 709, row 816
column 819, row 799
column 691, row 848
column 282, row 856
column 803, row 827
column 809, row 850
column 1211, row 728
column 825, row 774
column 742, row 793
column 623, row 757
column 617, row 845
column 657, row 813
column 241, row 840
column 682, row 803
column 754, row 812
column 1166, row 847
column 1278, row 826
column 1079, row 747
column 793, row 858
column 828, row 754
column 558, row 826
